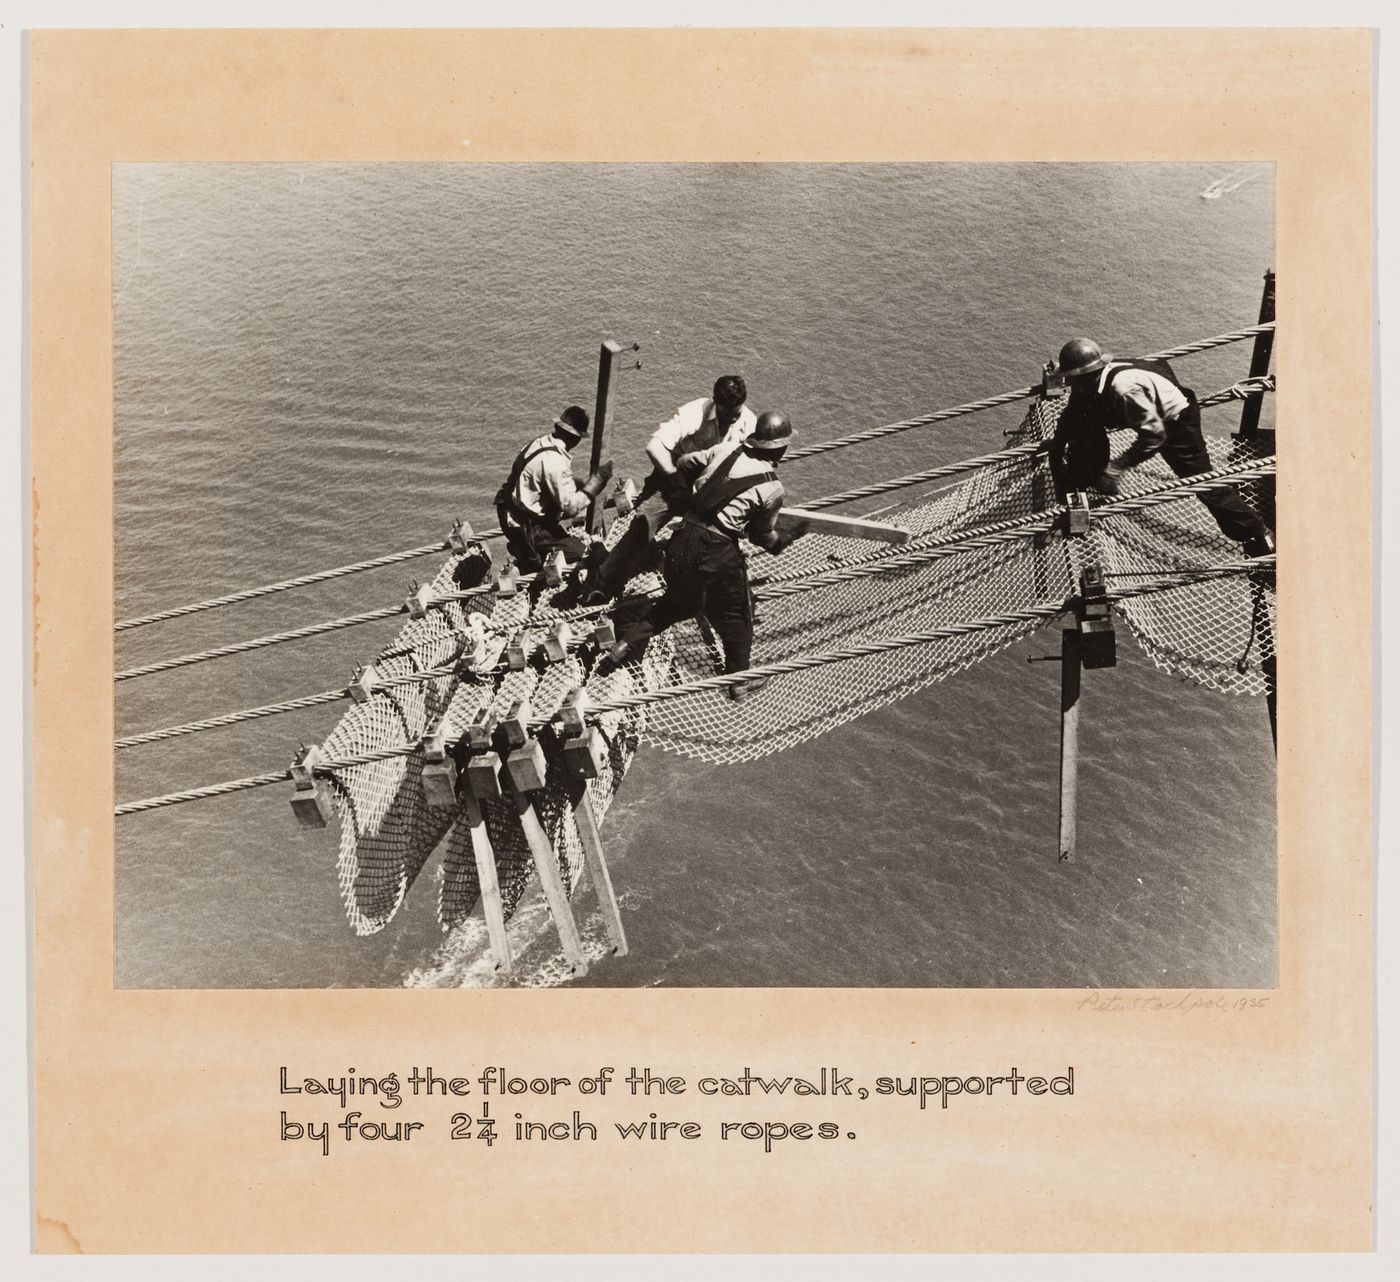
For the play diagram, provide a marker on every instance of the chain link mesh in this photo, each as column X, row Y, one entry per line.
column 1218, row 633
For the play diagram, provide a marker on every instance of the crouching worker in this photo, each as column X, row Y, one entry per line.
column 697, row 426
column 540, row 495
column 737, row 495
column 1107, row 393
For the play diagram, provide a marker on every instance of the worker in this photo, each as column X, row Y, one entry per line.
column 1105, row 394
column 695, row 427
column 736, row 494
column 540, row 495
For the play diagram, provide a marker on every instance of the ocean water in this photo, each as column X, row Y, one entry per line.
column 321, row 363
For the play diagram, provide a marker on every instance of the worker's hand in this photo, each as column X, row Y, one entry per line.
column 787, row 539
column 1108, row 479
column 596, row 483
column 674, row 489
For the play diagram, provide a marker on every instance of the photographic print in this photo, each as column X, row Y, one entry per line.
column 688, row 637
column 319, row 368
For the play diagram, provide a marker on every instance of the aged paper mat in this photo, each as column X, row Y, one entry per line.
column 157, row 1112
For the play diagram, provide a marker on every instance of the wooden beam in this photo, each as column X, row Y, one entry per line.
column 592, row 842
column 1071, row 664
column 486, row 877
column 843, row 527
column 608, row 357
column 547, row 866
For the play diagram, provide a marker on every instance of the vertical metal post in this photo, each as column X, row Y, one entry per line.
column 608, row 356
column 1266, row 488
column 1071, row 664
column 1259, row 361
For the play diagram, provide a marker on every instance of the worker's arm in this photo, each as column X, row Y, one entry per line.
column 557, row 478
column 763, row 525
column 661, row 448
column 1142, row 413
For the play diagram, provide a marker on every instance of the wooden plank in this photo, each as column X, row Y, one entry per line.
column 1070, row 667
column 597, row 864
column 547, row 866
column 843, row 527
column 485, row 858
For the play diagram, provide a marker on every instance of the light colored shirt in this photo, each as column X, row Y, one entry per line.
column 695, row 427
column 547, row 487
column 755, row 511
column 1145, row 400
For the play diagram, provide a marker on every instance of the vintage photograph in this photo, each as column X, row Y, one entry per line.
column 694, row 575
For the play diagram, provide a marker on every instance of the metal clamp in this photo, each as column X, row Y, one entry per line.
column 418, row 603
column 484, row 763
column 439, row 773
column 459, row 539
column 625, row 496
column 1077, row 514
column 1053, row 386
column 361, row 687
column 311, row 801
column 1095, row 615
column 525, row 761
column 557, row 641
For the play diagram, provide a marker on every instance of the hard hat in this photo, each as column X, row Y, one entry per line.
column 1081, row 356
column 573, row 420
column 773, row 431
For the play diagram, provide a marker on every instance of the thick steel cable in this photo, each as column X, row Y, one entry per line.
column 1011, row 531
column 320, row 576
column 1029, row 614
column 257, row 643
column 819, row 447
column 232, row 718
column 1045, row 610
column 1006, row 398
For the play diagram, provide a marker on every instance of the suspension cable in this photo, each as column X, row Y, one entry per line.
column 819, row 447
column 1043, row 611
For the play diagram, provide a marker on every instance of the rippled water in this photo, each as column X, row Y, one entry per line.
column 321, row 363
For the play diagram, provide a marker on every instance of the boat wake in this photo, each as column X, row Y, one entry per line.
column 1230, row 182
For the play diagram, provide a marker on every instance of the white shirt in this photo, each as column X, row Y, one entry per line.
column 547, row 485
column 695, row 427
column 755, row 511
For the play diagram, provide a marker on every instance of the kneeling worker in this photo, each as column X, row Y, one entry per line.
column 540, row 494
column 1144, row 395
column 737, row 494
column 697, row 426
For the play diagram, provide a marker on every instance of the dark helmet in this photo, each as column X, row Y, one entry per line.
column 772, row 433
column 573, row 420
column 1081, row 356
column 730, row 390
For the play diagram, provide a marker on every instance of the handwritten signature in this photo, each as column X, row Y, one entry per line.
column 1183, row 1003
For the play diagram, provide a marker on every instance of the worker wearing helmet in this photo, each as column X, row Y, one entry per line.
column 736, row 495
column 696, row 427
column 540, row 495
column 1144, row 395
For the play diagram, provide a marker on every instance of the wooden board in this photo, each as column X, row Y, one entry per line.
column 842, row 527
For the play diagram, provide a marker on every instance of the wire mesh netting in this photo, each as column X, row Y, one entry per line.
column 822, row 593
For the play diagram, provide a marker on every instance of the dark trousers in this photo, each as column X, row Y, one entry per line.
column 529, row 544
column 634, row 552
column 705, row 574
column 1079, row 454
column 1185, row 453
